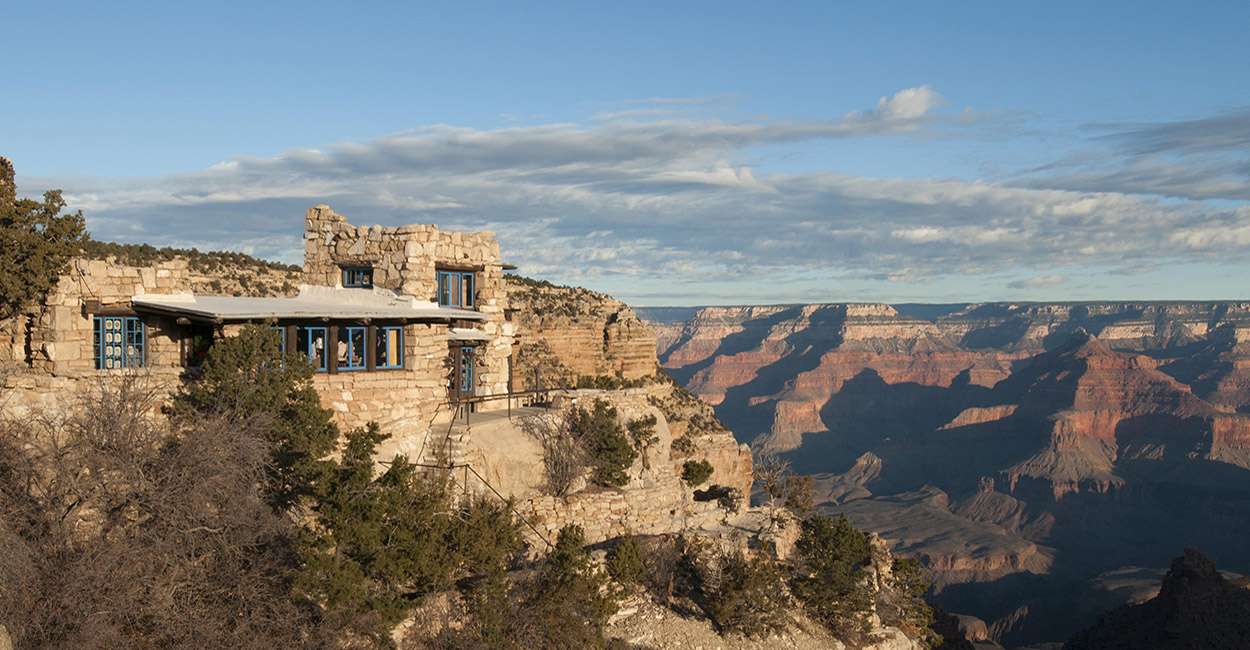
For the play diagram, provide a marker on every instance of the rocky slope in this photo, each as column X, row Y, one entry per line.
column 1021, row 449
column 1196, row 608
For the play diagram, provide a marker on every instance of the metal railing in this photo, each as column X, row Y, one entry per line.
column 450, row 468
column 468, row 401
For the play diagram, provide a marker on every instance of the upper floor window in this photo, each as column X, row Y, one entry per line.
column 388, row 348
column 357, row 277
column 119, row 342
column 456, row 288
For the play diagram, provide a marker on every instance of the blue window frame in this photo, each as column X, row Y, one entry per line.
column 120, row 342
column 388, row 348
column 456, row 288
column 357, row 277
column 280, row 332
column 465, row 376
column 311, row 342
column 350, row 353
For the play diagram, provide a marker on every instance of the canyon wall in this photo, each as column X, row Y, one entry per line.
column 570, row 332
column 1020, row 449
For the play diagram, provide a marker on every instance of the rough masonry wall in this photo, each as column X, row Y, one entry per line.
column 50, row 347
column 405, row 259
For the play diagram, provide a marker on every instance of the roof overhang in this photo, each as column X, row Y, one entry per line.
column 324, row 303
column 460, row 334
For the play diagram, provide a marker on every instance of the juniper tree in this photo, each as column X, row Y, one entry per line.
column 37, row 242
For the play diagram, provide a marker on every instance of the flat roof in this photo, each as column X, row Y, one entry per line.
column 462, row 334
column 312, row 302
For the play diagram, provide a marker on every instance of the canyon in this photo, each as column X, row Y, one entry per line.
column 1029, row 453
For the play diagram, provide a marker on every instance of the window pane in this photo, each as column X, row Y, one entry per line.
column 388, row 348
column 350, row 351
column 466, row 371
column 311, row 343
column 394, row 347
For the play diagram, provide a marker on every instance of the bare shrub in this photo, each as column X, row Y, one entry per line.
column 564, row 459
column 783, row 488
column 122, row 531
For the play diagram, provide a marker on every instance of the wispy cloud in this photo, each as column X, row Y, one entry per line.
column 674, row 200
column 1200, row 158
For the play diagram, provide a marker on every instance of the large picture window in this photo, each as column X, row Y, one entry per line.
column 311, row 342
column 350, row 354
column 389, row 348
column 119, row 342
column 456, row 288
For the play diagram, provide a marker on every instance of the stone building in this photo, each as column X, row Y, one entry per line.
column 401, row 324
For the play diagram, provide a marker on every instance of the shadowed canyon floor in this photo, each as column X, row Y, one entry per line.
column 1029, row 453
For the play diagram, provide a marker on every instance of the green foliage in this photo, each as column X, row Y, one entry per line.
column 244, row 376
column 830, row 580
column 611, row 382
column 373, row 543
column 642, row 433
column 36, row 243
column 625, row 563
column 564, row 605
column 600, row 434
column 197, row 260
column 748, row 597
column 800, row 495
column 381, row 541
column 685, row 445
column 696, row 472
column 906, row 608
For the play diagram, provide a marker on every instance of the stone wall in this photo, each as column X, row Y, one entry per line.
column 49, row 349
column 405, row 259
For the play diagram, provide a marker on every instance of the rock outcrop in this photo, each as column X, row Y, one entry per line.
column 570, row 332
column 1196, row 608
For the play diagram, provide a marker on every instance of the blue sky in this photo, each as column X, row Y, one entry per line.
column 691, row 154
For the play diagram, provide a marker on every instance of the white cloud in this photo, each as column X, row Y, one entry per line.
column 1038, row 282
column 672, row 200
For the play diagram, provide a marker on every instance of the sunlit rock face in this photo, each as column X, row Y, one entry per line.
column 1021, row 449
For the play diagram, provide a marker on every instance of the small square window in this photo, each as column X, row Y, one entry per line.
column 357, row 277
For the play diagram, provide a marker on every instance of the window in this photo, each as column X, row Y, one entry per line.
column 280, row 334
column 197, row 342
column 350, row 354
column 456, row 288
column 388, row 350
column 311, row 342
column 357, row 277
column 119, row 342
column 462, row 380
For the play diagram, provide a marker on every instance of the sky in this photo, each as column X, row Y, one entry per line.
column 668, row 153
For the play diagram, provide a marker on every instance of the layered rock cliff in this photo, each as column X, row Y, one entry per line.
column 1021, row 449
column 570, row 332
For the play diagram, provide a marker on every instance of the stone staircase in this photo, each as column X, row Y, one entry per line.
column 456, row 443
